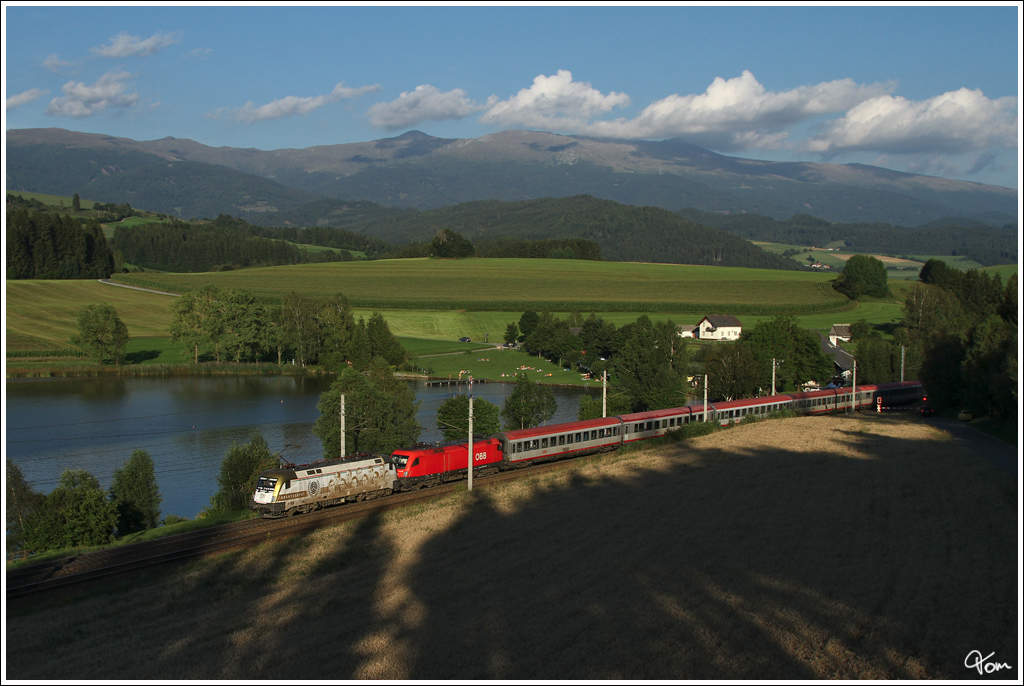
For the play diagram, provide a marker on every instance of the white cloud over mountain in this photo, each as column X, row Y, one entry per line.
column 82, row 100
column 554, row 102
column 24, row 98
column 955, row 122
column 291, row 105
column 423, row 103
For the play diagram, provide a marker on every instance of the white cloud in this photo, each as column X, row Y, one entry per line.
column 291, row 105
column 24, row 98
column 80, row 100
column 123, row 45
column 425, row 102
column 554, row 102
column 960, row 121
column 55, row 65
column 738, row 113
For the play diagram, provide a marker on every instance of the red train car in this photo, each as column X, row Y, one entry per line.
column 421, row 466
column 732, row 411
column 640, row 425
column 544, row 443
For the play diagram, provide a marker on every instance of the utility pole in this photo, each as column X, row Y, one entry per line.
column 853, row 403
column 604, row 395
column 705, row 397
column 903, row 359
column 470, row 456
column 342, row 425
column 773, row 376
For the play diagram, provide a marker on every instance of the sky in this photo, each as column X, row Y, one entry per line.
column 928, row 89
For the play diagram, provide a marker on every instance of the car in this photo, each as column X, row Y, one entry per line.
column 927, row 411
column 465, row 339
column 965, row 415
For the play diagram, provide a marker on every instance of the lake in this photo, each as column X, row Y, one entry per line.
column 186, row 425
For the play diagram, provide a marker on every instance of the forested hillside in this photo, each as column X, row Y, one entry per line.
column 624, row 233
column 962, row 237
column 49, row 246
column 222, row 244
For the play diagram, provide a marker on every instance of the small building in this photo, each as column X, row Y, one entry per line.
column 842, row 360
column 839, row 332
column 719, row 327
column 687, row 330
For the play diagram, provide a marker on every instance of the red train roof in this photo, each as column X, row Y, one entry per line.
column 561, row 428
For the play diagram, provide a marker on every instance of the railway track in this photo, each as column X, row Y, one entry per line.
column 81, row 570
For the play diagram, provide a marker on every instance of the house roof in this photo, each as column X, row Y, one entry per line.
column 843, row 359
column 720, row 320
column 842, row 330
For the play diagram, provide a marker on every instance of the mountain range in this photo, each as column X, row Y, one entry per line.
column 332, row 184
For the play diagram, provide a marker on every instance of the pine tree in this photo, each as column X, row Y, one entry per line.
column 135, row 494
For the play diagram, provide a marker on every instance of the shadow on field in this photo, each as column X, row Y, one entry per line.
column 869, row 557
column 806, row 566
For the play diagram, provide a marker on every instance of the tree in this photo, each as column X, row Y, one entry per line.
column 797, row 353
column 448, row 243
column 102, row 333
column 22, row 501
column 528, row 322
column 195, row 319
column 243, row 324
column 732, row 371
column 76, row 203
column 453, row 418
column 380, row 412
column 863, row 275
column 511, row 333
column 649, row 365
column 241, row 467
column 382, row 342
column 75, row 513
column 135, row 494
column 528, row 405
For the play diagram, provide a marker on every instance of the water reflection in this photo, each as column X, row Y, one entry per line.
column 186, row 424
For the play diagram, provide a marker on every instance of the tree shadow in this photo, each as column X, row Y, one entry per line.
column 892, row 558
column 140, row 356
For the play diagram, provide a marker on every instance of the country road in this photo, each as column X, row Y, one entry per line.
column 138, row 288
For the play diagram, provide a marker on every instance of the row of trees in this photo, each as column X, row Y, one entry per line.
column 318, row 330
column 963, row 340
column 78, row 512
column 50, row 246
column 179, row 246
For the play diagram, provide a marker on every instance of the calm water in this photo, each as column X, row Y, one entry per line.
column 186, row 425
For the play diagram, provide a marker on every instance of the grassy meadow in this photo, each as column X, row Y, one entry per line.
column 428, row 303
column 820, row 548
column 510, row 284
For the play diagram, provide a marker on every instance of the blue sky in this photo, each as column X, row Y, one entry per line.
column 925, row 89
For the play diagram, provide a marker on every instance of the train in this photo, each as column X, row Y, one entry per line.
column 292, row 489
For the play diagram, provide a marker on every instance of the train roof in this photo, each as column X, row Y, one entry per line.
column 657, row 414
column 561, row 428
column 766, row 400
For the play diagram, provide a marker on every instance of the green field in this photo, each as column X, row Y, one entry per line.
column 511, row 285
column 42, row 315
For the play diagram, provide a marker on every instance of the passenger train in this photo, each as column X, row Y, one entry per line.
column 292, row 489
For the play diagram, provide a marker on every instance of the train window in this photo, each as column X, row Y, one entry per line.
column 578, row 435
column 586, row 435
column 543, row 443
column 415, row 462
column 561, row 440
column 568, row 439
column 536, row 445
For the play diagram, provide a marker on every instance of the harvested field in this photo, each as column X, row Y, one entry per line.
column 812, row 548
